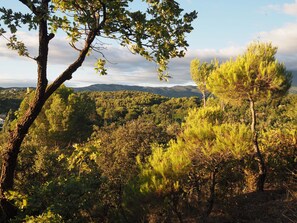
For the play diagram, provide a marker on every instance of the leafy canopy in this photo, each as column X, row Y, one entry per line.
column 157, row 33
column 205, row 142
column 255, row 76
column 200, row 72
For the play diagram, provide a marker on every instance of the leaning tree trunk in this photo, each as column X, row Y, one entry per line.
column 42, row 93
column 10, row 155
column 261, row 164
column 17, row 135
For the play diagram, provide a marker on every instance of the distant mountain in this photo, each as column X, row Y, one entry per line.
column 176, row 91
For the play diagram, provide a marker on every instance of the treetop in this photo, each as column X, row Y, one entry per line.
column 157, row 33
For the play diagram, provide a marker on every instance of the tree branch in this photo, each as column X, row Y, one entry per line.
column 67, row 74
column 102, row 23
column 30, row 5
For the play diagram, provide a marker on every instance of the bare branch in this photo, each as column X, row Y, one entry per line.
column 74, row 47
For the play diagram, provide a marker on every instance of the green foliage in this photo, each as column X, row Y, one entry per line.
column 173, row 110
column 119, row 147
column 280, row 146
column 123, row 106
column 20, row 200
column 80, row 158
column 146, row 167
column 15, row 44
column 44, row 218
column 255, row 76
column 66, row 182
column 100, row 67
column 204, row 128
column 66, row 118
column 200, row 73
column 14, row 20
column 205, row 146
column 278, row 139
column 157, row 34
column 10, row 99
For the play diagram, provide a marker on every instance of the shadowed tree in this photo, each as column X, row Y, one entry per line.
column 254, row 76
column 157, row 34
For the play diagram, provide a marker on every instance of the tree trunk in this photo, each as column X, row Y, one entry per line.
column 212, row 195
column 9, row 158
column 204, row 99
column 175, row 201
column 261, row 164
column 43, row 92
column 16, row 137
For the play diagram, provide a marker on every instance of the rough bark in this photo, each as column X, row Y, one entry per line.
column 42, row 93
column 10, row 155
column 261, row 164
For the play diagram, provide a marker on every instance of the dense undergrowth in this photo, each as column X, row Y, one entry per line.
column 139, row 157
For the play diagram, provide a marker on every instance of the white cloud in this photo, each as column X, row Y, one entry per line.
column 287, row 8
column 290, row 8
column 126, row 68
column 285, row 39
column 29, row 41
column 220, row 54
column 4, row 51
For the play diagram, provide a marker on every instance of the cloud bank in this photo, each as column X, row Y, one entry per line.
column 123, row 67
column 126, row 68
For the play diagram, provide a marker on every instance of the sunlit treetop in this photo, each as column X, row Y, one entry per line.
column 157, row 32
column 254, row 76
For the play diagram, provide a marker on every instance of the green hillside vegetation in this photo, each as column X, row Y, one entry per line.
column 148, row 166
column 10, row 99
column 122, row 106
column 130, row 156
column 175, row 91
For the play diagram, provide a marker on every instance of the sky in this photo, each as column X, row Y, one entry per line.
column 222, row 30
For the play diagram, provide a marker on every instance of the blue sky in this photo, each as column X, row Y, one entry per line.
column 223, row 29
column 229, row 23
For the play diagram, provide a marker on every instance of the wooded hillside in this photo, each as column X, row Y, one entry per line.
column 132, row 156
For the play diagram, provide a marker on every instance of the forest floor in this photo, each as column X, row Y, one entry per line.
column 270, row 206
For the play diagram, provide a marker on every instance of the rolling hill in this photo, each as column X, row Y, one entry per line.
column 176, row 91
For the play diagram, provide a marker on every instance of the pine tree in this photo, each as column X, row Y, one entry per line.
column 254, row 76
column 199, row 73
